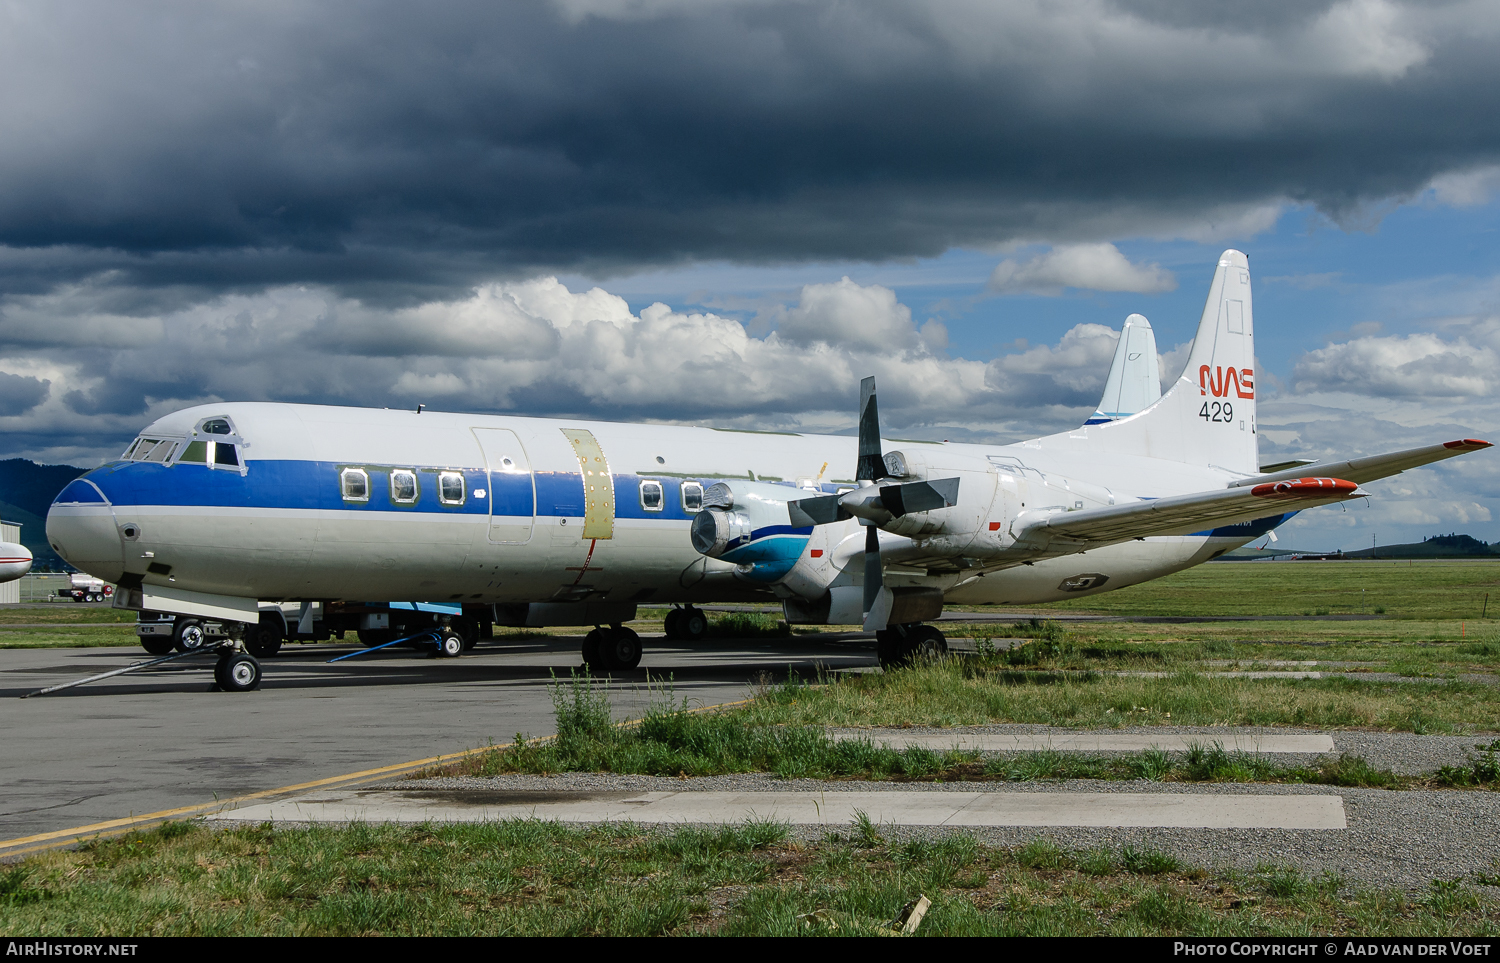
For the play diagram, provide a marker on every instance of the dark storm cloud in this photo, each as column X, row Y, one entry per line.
column 19, row 394
column 401, row 150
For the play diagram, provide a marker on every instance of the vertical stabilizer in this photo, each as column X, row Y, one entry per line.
column 1134, row 381
column 1208, row 416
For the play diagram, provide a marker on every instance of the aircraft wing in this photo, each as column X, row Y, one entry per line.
column 1370, row 468
column 1180, row 514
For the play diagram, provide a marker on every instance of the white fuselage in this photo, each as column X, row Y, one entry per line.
column 284, row 515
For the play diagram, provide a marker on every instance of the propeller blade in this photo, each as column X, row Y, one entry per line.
column 871, row 464
column 919, row 496
column 874, row 577
column 818, row 510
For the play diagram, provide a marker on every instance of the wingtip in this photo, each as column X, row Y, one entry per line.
column 1467, row 444
column 1295, row 488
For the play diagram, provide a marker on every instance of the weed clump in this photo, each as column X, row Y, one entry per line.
column 747, row 625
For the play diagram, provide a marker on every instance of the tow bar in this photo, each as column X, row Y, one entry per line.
column 430, row 637
column 236, row 671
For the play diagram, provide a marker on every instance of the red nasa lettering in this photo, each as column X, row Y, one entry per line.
column 1216, row 381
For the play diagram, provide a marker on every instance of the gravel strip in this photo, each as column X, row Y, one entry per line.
column 1395, row 839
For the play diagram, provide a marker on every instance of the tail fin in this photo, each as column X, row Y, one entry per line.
column 1134, row 381
column 1208, row 416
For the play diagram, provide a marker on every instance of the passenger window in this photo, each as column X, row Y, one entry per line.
column 404, row 487
column 196, row 453
column 451, row 488
column 651, row 499
column 354, row 485
column 692, row 497
column 225, row 454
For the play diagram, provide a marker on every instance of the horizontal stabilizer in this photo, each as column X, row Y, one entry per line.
column 1182, row 514
column 879, row 504
column 1374, row 466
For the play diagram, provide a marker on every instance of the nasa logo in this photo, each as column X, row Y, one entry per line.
column 1216, row 381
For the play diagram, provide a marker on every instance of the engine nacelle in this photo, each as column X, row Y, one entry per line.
column 747, row 523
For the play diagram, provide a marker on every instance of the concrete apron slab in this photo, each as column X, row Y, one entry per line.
column 1089, row 741
column 1195, row 811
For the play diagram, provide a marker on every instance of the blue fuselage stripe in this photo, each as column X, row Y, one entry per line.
column 314, row 485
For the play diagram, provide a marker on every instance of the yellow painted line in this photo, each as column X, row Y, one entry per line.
column 114, row 827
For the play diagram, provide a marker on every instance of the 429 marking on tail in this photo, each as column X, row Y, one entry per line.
column 1220, row 411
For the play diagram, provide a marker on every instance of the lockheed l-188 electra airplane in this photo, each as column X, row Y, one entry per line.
column 217, row 510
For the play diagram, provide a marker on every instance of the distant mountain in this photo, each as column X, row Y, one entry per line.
column 26, row 492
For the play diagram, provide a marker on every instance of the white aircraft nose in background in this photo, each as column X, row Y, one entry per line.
column 15, row 561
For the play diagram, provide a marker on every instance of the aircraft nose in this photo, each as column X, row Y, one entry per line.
column 81, row 528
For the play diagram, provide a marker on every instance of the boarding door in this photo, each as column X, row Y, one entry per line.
column 512, row 494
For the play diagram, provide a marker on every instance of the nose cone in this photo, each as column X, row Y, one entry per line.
column 81, row 528
column 15, row 561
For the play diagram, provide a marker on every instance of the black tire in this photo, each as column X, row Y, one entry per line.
column 926, row 642
column 188, row 635
column 157, row 644
column 264, row 639
column 450, row 644
column 672, row 624
column 369, row 638
column 620, row 649
column 470, row 633
column 903, row 645
column 693, row 625
column 237, row 672
column 593, row 657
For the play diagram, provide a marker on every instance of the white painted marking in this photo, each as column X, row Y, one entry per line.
column 1074, row 741
column 1166, row 810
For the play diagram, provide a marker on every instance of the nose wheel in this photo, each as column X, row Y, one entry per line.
column 237, row 672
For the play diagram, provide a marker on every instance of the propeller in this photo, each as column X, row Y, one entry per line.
column 874, row 505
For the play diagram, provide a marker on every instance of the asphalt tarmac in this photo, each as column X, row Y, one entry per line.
column 160, row 739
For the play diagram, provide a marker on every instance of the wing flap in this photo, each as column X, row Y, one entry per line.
column 1372, row 467
column 1185, row 514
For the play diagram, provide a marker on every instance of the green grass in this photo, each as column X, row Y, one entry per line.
column 526, row 878
column 672, row 741
column 1433, row 590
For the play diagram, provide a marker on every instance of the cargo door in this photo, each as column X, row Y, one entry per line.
column 512, row 494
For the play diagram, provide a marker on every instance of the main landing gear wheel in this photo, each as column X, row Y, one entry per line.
column 237, row 672
column 615, row 648
column 621, row 649
column 901, row 645
column 672, row 624
column 157, row 644
column 450, row 644
column 264, row 639
column 188, row 635
column 692, row 625
column 593, row 659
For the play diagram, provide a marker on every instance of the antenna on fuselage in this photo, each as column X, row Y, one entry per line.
column 419, row 408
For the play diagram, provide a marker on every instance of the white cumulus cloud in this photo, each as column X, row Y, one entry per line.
column 1096, row 267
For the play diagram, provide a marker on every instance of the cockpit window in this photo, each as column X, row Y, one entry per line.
column 151, row 449
column 225, row 454
column 216, row 426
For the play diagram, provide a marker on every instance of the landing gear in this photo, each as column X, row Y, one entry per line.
column 450, row 644
column 902, row 645
column 687, row 624
column 264, row 640
column 188, row 635
column 237, row 672
column 613, row 649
